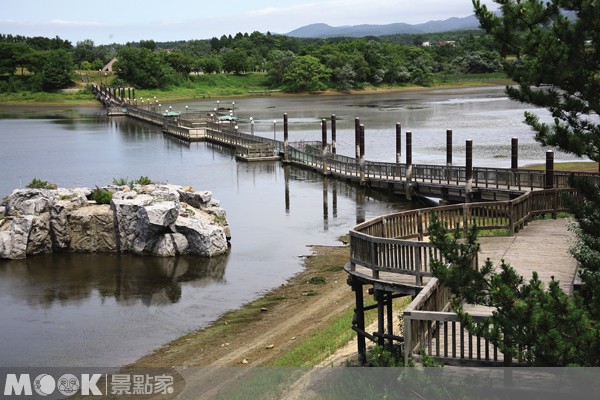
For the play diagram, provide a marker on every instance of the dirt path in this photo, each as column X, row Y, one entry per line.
column 263, row 330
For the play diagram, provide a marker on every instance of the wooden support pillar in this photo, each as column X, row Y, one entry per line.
column 390, row 318
column 133, row 92
column 333, row 134
column 398, row 142
column 380, row 298
column 549, row 183
column 514, row 153
column 357, row 137
column 285, row 137
column 359, row 321
column 469, row 169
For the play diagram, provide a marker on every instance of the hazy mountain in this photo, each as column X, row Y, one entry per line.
column 324, row 30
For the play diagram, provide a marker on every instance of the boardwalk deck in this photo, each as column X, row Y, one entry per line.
column 542, row 247
column 526, row 253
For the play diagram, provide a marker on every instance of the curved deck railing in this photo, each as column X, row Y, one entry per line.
column 395, row 242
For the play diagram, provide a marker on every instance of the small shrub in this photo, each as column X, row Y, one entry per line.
column 102, row 196
column 317, row 280
column 38, row 184
column 144, row 180
column 120, row 182
column 381, row 356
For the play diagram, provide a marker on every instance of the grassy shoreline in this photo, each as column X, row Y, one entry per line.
column 226, row 86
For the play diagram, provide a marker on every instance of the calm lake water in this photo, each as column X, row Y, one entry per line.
column 108, row 310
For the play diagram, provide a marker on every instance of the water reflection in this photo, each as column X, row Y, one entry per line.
column 67, row 279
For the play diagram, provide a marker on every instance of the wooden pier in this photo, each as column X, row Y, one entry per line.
column 390, row 254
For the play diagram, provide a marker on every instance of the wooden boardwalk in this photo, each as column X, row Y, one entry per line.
column 542, row 247
column 526, row 253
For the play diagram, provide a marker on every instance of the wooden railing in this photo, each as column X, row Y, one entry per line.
column 394, row 242
column 495, row 178
column 255, row 151
column 431, row 328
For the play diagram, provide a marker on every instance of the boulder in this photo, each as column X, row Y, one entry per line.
column 153, row 221
column 39, row 240
column 59, row 227
column 92, row 229
column 126, row 219
column 30, row 201
column 204, row 240
column 170, row 245
column 195, row 199
column 13, row 242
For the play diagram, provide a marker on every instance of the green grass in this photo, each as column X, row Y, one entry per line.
column 211, row 86
column 572, row 166
column 320, row 345
column 84, row 97
column 219, row 86
column 494, row 78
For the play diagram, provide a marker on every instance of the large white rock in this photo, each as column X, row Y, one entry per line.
column 13, row 242
column 205, row 240
column 162, row 220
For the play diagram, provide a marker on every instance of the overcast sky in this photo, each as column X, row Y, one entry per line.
column 108, row 21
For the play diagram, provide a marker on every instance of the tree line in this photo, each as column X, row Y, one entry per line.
column 292, row 64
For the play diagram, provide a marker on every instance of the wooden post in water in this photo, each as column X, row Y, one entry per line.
column 357, row 137
column 324, row 143
column 409, row 167
column 514, row 161
column 285, row 136
column 333, row 133
column 549, row 183
column 398, row 142
column 514, row 153
column 323, row 134
column 448, row 155
column 469, row 169
column 448, row 147
column 408, row 155
column 362, row 141
column 361, row 153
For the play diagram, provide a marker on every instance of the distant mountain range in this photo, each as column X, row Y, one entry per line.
column 325, row 31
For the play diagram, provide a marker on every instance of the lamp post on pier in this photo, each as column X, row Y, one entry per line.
column 252, row 126
column 186, row 111
column 274, row 130
column 233, row 108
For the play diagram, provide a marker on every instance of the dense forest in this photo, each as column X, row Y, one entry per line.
column 291, row 64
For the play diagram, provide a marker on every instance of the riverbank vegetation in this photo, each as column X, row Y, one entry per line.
column 33, row 69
